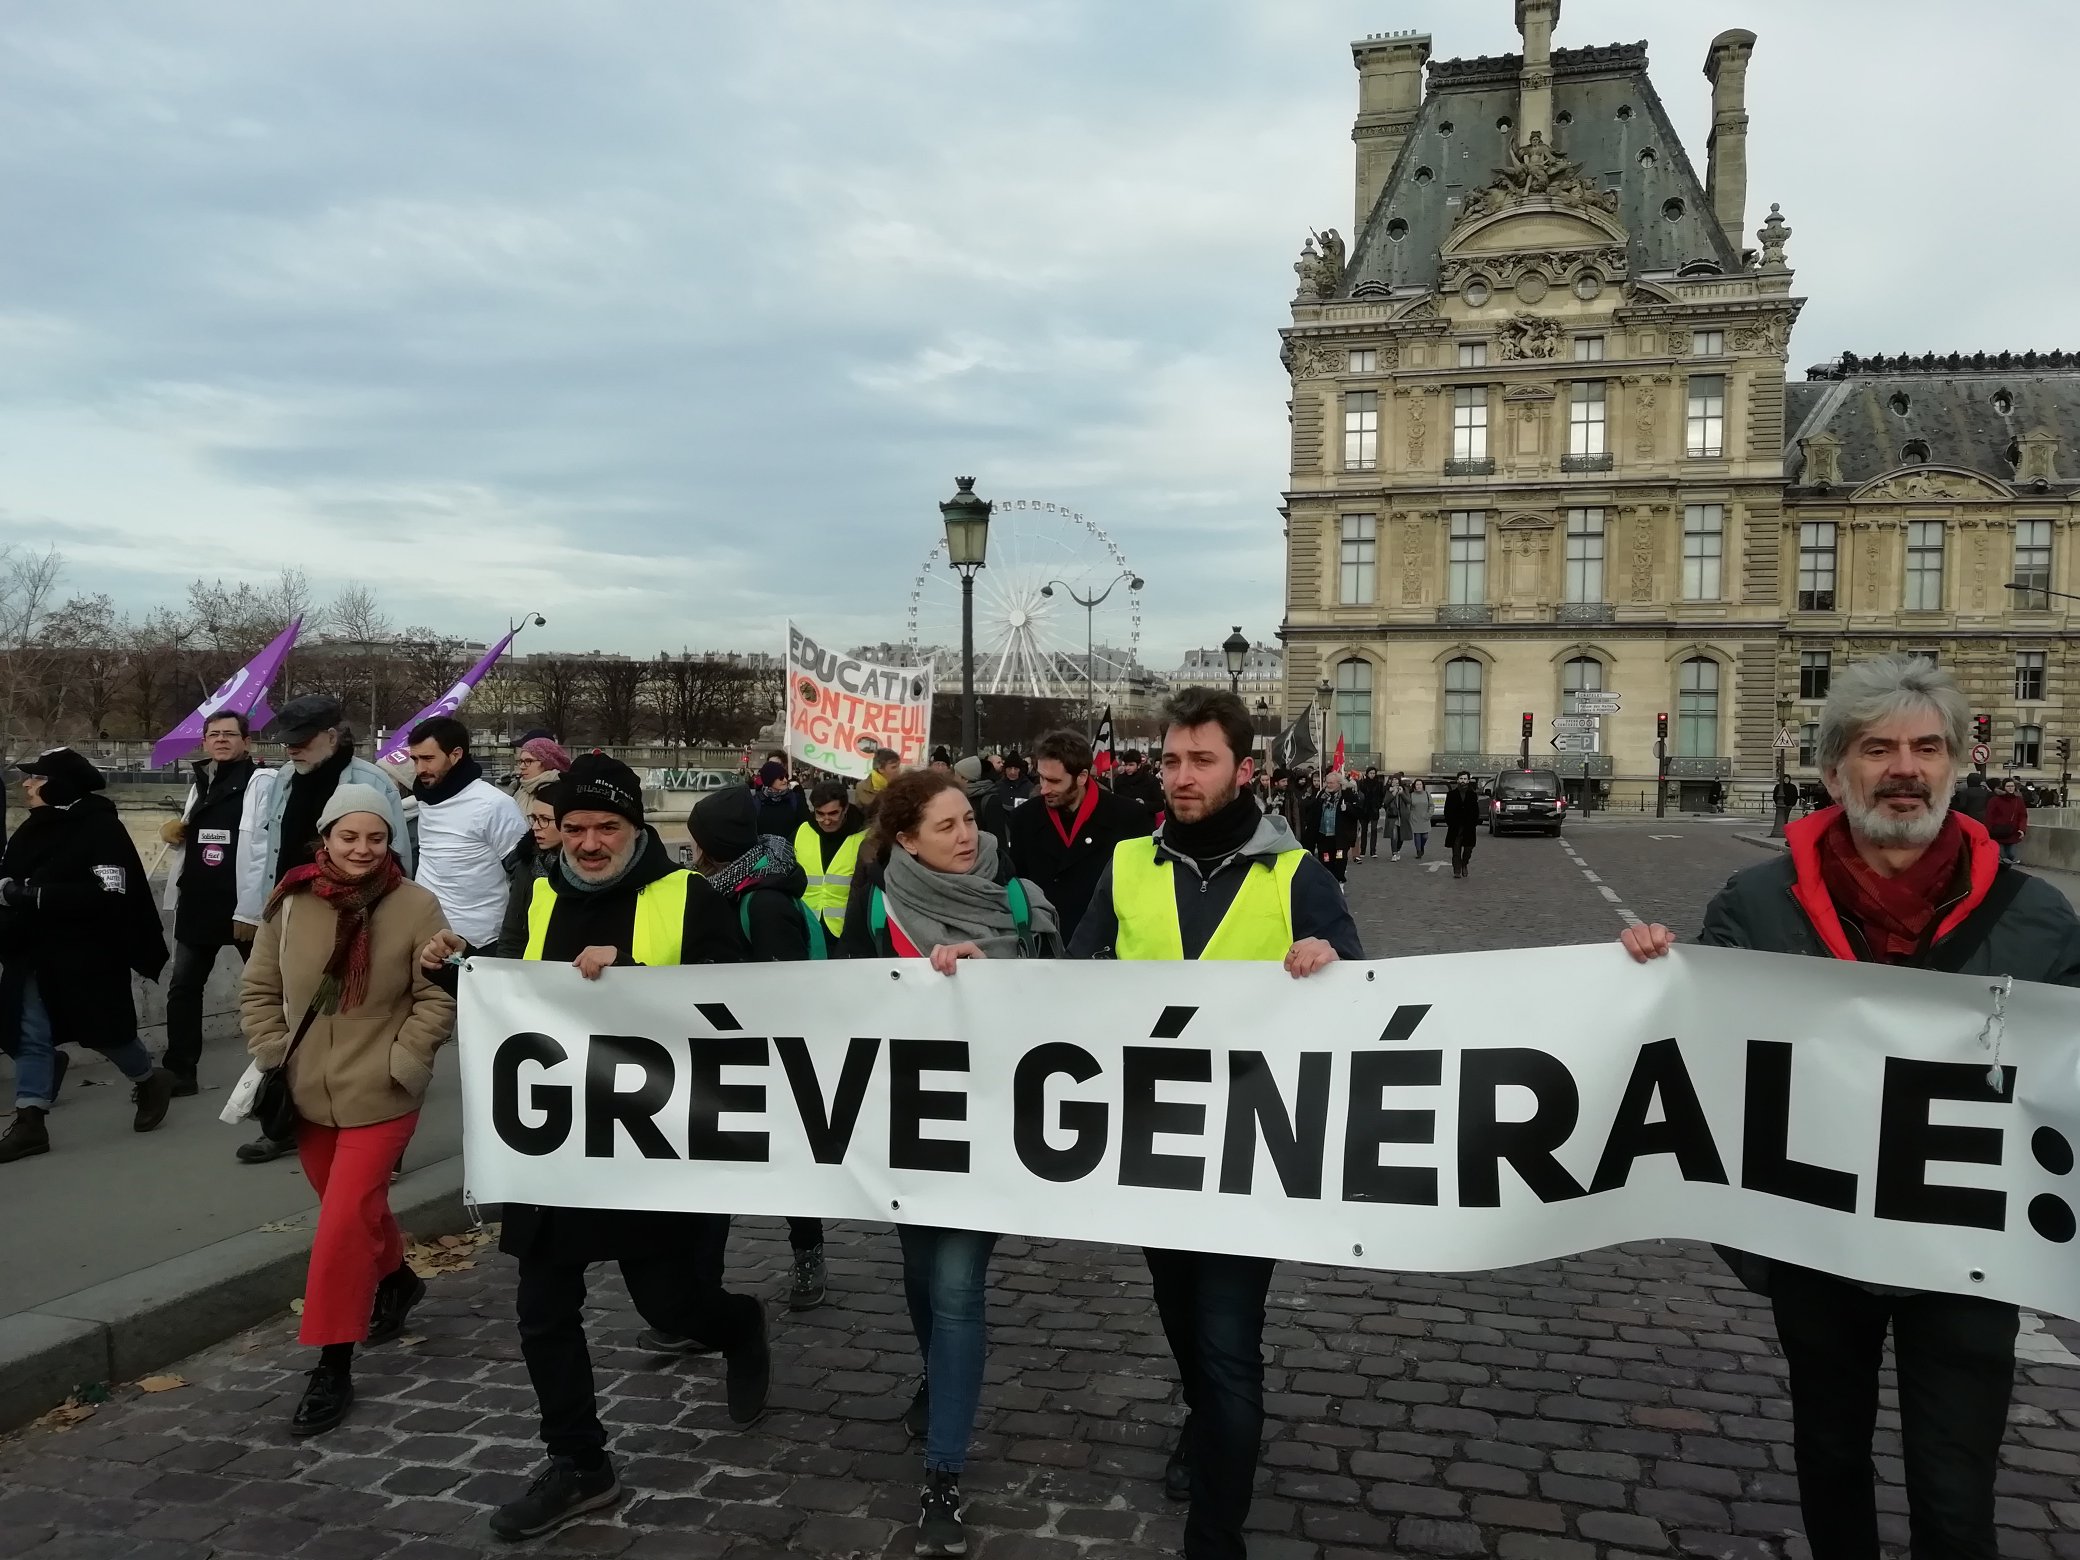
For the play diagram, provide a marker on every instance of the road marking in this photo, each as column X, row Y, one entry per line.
column 1435, row 866
column 1629, row 918
column 1592, row 877
column 1608, row 892
column 1664, row 836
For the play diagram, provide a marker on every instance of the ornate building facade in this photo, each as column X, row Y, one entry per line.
column 1540, row 444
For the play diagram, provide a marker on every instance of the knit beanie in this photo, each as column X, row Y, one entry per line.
column 969, row 770
column 772, row 769
column 724, row 824
column 545, row 751
column 67, row 776
column 353, row 797
column 598, row 783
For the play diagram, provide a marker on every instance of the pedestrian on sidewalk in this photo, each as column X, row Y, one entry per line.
column 1895, row 874
column 1331, row 819
column 215, row 841
column 1462, row 822
column 613, row 897
column 2007, row 820
column 76, row 919
column 467, row 828
column 336, row 996
column 1219, row 881
column 1418, row 811
column 938, row 888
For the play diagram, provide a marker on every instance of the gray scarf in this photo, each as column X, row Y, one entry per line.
column 568, row 873
column 944, row 907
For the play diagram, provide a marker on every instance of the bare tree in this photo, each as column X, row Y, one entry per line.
column 156, row 688
column 557, row 682
column 617, row 689
column 354, row 617
column 432, row 662
column 86, row 668
column 28, row 584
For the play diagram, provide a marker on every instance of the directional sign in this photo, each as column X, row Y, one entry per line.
column 1574, row 742
column 1595, row 703
column 1981, row 752
column 1784, row 738
column 1575, row 722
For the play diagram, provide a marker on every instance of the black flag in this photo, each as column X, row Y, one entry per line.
column 1104, row 752
column 1295, row 745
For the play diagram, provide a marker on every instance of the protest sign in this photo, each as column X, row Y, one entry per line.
column 1444, row 1113
column 842, row 708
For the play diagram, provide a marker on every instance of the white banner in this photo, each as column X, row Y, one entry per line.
column 1446, row 1113
column 842, row 708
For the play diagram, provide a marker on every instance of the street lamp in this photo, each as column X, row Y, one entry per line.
column 967, row 544
column 1236, row 648
column 1090, row 605
column 1781, row 814
column 1322, row 692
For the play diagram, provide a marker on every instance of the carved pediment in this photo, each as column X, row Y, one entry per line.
column 1526, row 521
column 1929, row 483
column 1536, row 178
column 1530, row 393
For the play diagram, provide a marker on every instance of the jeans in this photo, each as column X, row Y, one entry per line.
column 1955, row 1356
column 946, row 1281
column 357, row 1240
column 678, row 1292
column 1212, row 1308
column 1421, row 838
column 36, row 1053
column 192, row 964
column 2011, row 853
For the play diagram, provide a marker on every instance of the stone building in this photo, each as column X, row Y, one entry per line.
column 1539, row 438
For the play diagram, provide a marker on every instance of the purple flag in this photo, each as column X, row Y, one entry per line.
column 244, row 692
column 447, row 704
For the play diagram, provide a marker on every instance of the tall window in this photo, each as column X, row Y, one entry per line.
column 1470, row 422
column 1708, row 343
column 1462, row 705
column 1361, row 430
column 1473, row 354
column 1808, row 744
column 1364, row 360
column 1704, row 427
column 2029, row 747
column 1466, row 570
column 1815, row 672
column 1697, row 709
column 2029, row 676
column 1704, row 543
column 1924, row 566
column 1583, row 674
column 1359, row 574
column 1585, row 419
column 2033, row 562
column 1816, row 566
column 1588, row 349
column 1585, row 555
column 1354, row 704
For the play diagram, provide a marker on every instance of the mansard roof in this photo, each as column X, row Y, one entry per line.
column 1886, row 413
column 1607, row 117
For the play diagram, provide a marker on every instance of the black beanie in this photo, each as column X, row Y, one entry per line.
column 598, row 783
column 724, row 824
column 67, row 776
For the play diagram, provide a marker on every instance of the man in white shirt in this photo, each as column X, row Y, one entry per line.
column 467, row 826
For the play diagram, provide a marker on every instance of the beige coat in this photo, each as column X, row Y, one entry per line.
column 374, row 1063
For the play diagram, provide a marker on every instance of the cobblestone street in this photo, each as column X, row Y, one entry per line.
column 1628, row 1401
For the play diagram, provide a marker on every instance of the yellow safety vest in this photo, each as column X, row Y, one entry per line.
column 660, row 918
column 828, row 892
column 1258, row 925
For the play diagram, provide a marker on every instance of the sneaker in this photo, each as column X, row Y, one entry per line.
column 396, row 1294
column 805, row 1284
column 1177, row 1472
column 917, row 1418
column 748, row 1375
column 1395, row 857
column 262, row 1150
column 151, row 1095
column 939, row 1530
column 184, row 1085
column 656, row 1340
column 560, row 1492
column 324, row 1403
column 27, row 1136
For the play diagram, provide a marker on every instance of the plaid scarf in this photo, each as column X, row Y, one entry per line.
column 353, row 901
column 1895, row 912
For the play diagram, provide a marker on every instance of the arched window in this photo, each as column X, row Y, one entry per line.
column 1462, row 705
column 1697, row 709
column 1354, row 705
column 1583, row 674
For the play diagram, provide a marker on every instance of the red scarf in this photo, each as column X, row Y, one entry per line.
column 1084, row 809
column 353, row 901
column 1895, row 912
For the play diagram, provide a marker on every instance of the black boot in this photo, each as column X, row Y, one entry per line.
column 805, row 1281
column 151, row 1096
column 395, row 1296
column 561, row 1491
column 1177, row 1472
column 325, row 1401
column 27, row 1136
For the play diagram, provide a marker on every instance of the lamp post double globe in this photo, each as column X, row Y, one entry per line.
column 1090, row 605
column 967, row 545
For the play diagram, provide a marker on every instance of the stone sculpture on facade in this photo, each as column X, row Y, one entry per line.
column 1320, row 270
column 1534, row 171
column 1774, row 234
column 1525, row 336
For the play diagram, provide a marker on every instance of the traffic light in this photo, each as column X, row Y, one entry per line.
column 1982, row 728
column 2065, row 750
column 1527, row 725
column 1661, row 727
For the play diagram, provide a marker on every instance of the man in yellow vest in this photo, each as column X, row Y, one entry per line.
column 827, row 847
column 1220, row 880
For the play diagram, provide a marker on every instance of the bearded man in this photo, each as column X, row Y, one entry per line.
column 1892, row 875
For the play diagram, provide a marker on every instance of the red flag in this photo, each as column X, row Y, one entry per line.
column 1337, row 762
column 1103, row 753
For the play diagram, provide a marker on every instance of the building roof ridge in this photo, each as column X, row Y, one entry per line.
column 1488, row 69
column 1850, row 365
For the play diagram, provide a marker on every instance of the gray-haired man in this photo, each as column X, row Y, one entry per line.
column 1892, row 875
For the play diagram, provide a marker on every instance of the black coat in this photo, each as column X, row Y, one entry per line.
column 209, row 888
column 1348, row 811
column 93, row 923
column 1462, row 815
column 1068, row 873
column 1145, row 788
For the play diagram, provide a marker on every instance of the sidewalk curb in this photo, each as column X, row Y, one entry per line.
column 130, row 1325
column 1761, row 841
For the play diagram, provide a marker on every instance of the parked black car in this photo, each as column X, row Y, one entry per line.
column 1527, row 799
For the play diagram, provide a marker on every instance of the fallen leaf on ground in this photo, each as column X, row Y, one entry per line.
column 67, row 1414
column 409, row 1339
column 280, row 1225
column 161, row 1383
column 296, row 1305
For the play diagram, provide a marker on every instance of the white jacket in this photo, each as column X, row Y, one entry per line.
column 251, row 865
column 463, row 844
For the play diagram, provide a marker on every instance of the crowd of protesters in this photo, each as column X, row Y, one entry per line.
column 357, row 899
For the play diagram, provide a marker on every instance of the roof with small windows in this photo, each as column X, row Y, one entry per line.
column 1890, row 412
column 1606, row 117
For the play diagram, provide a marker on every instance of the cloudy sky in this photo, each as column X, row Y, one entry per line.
column 669, row 318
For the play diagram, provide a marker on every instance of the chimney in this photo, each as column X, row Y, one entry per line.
column 1390, row 92
column 1536, row 20
column 1726, row 151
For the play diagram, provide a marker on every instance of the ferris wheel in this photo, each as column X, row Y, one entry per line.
column 1033, row 633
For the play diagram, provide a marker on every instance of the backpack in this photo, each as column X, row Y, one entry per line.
column 1014, row 896
column 818, row 948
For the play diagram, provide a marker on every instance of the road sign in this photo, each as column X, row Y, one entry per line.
column 1784, row 738
column 1575, row 722
column 1595, row 703
column 1981, row 752
column 1574, row 742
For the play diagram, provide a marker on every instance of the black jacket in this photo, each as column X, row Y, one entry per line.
column 209, row 889
column 1971, row 801
column 1372, row 796
column 91, row 922
column 1349, row 811
column 1462, row 815
column 1145, row 788
column 1068, row 873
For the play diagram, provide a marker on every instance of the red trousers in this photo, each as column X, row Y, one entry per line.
column 357, row 1241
